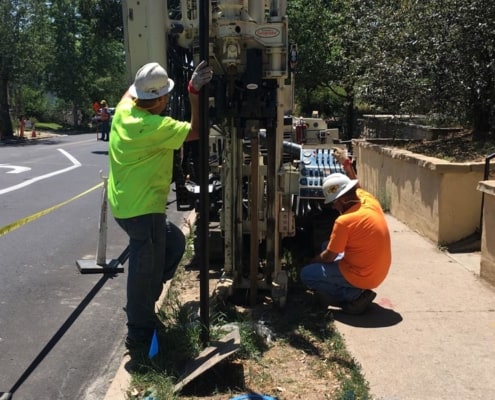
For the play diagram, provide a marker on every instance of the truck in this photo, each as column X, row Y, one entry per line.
column 266, row 166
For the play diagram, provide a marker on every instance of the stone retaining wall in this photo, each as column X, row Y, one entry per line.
column 437, row 198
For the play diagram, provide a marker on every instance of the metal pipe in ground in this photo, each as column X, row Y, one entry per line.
column 204, row 206
column 254, row 207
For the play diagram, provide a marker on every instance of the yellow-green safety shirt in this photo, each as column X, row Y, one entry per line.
column 140, row 155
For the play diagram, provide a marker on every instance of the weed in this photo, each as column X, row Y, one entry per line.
column 295, row 351
column 385, row 200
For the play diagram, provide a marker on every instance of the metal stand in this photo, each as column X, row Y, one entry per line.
column 101, row 264
column 108, row 266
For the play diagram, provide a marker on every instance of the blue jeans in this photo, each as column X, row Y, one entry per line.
column 105, row 129
column 326, row 278
column 156, row 247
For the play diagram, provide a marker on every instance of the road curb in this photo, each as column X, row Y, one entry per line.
column 120, row 383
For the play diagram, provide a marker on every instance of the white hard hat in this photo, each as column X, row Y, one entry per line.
column 335, row 185
column 151, row 82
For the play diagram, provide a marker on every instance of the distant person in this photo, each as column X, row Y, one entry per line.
column 96, row 116
column 22, row 125
column 357, row 257
column 141, row 149
column 104, row 120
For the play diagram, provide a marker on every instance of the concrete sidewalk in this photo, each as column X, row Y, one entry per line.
column 431, row 332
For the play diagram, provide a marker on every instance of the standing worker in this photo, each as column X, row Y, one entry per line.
column 141, row 148
column 96, row 116
column 358, row 256
column 22, row 124
column 104, row 120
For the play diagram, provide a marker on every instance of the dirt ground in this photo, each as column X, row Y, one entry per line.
column 456, row 147
column 301, row 360
column 305, row 357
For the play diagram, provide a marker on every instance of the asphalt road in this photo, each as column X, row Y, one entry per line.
column 61, row 332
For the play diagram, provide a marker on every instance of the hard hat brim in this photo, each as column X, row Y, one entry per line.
column 134, row 92
column 348, row 186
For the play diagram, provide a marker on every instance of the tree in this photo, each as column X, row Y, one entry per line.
column 21, row 29
column 7, row 45
column 88, row 57
column 23, row 52
column 400, row 57
column 313, row 54
column 104, row 37
column 78, row 59
column 435, row 58
column 470, row 77
column 326, row 68
column 28, row 86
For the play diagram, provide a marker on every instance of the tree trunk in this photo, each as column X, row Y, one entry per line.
column 484, row 111
column 350, row 115
column 481, row 123
column 6, row 130
column 75, row 117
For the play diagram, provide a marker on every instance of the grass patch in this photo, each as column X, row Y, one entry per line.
column 385, row 199
column 275, row 345
column 52, row 126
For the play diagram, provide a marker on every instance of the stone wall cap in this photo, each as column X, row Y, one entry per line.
column 487, row 187
column 433, row 163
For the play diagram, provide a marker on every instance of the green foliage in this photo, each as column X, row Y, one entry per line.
column 53, row 70
column 302, row 327
column 36, row 104
column 405, row 57
column 430, row 58
column 320, row 54
column 328, row 102
column 84, row 44
column 353, row 385
column 48, row 126
column 385, row 200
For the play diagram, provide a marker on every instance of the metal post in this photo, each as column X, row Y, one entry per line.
column 254, row 215
column 204, row 172
column 101, row 264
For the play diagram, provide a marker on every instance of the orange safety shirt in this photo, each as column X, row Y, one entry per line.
column 361, row 232
column 105, row 115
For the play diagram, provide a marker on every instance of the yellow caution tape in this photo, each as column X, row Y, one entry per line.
column 23, row 221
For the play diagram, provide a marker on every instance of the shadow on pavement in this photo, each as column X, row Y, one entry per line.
column 376, row 317
column 58, row 335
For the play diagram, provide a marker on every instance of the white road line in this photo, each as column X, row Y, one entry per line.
column 16, row 169
column 76, row 164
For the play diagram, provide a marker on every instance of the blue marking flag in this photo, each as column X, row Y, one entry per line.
column 154, row 346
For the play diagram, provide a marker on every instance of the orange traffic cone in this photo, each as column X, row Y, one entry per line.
column 33, row 132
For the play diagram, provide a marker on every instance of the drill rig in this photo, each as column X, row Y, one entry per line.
column 266, row 168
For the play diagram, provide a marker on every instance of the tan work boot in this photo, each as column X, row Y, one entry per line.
column 361, row 304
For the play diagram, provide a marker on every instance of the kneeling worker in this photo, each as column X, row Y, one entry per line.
column 358, row 255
